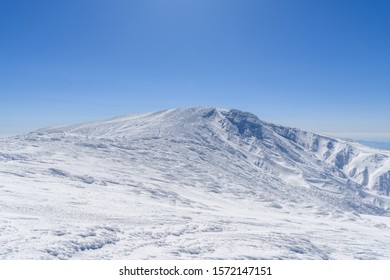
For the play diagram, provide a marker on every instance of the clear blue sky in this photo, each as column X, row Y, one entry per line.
column 320, row 65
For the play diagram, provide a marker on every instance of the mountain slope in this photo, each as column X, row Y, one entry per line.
column 191, row 183
column 293, row 156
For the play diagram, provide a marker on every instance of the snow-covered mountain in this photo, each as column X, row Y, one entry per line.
column 191, row 183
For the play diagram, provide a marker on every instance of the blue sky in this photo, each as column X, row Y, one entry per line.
column 319, row 65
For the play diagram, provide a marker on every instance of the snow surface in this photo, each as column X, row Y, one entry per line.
column 191, row 184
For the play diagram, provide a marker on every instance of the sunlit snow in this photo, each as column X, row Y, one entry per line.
column 191, row 184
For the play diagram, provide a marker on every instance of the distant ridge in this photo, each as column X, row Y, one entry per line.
column 375, row 144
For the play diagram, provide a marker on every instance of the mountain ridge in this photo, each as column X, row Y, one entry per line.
column 343, row 159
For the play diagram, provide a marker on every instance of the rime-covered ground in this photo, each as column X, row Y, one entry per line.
column 191, row 184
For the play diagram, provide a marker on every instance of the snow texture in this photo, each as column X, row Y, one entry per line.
column 198, row 183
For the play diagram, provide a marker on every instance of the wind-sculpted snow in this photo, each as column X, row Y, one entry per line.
column 191, row 184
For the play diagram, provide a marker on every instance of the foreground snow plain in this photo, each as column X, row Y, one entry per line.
column 198, row 183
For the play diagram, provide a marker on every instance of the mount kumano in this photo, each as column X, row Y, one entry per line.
column 197, row 183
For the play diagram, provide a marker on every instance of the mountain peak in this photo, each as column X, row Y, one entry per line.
column 170, row 120
column 292, row 154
